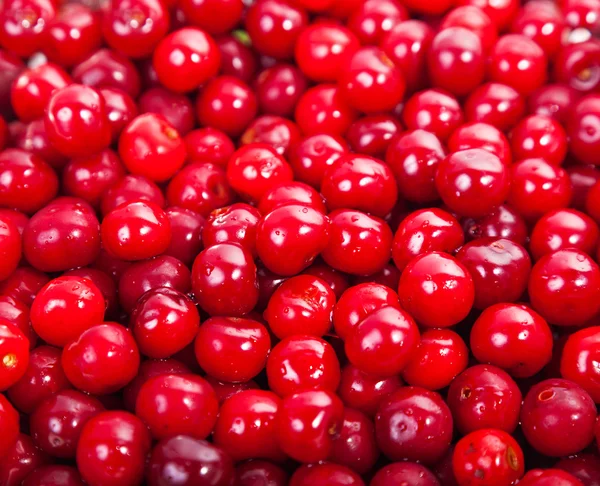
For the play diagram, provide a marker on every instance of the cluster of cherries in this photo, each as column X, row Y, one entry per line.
column 300, row 242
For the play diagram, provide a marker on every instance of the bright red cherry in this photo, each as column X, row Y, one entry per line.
column 433, row 110
column 372, row 134
column 136, row 230
column 10, row 247
column 383, row 343
column 65, row 307
column 501, row 13
column 135, row 27
column 325, row 474
column 9, row 419
column 278, row 132
column 358, row 244
column 583, row 128
column 278, row 89
column 173, row 404
column 488, row 457
column 372, row 19
column 564, row 287
column 151, row 147
column 299, row 363
column 129, row 189
column 246, row 429
column 14, row 351
column 57, row 422
column 441, row 356
column 232, row 349
column 20, row 461
column 186, row 59
column 558, row 418
column 214, row 16
column 549, row 477
column 408, row 420
column 112, row 449
column 209, row 145
column 478, row 135
column 250, row 472
column 76, row 121
column 102, row 360
column 436, row 289
column 307, row 424
column 512, row 337
column 400, row 472
column 497, row 104
column 473, row 18
column 291, row 193
column 578, row 360
column 23, row 25
column 539, row 137
column 17, row 312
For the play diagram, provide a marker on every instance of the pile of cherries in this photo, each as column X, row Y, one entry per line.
column 300, row 242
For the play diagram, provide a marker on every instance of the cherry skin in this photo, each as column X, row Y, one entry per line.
column 472, row 182
column 186, row 234
column 232, row 349
column 108, row 69
column 488, row 457
column 274, row 27
column 172, row 404
column 323, row 49
column 278, row 89
column 24, row 284
column 398, row 472
column 358, row 244
column 373, row 19
column 370, row 81
column 150, row 146
column 129, row 189
column 518, row 62
column 164, row 322
column 14, row 349
column 24, row 25
column 424, row 231
column 542, row 477
column 324, row 110
column 383, row 343
column 564, row 286
column 208, row 145
column 436, row 289
column 185, row 59
column 441, row 356
column 484, row 396
column 299, row 363
column 576, row 65
column 435, row 111
column 227, row 104
column 65, row 307
column 539, row 137
column 20, row 461
column 578, row 357
column 102, row 360
column 456, row 61
column 302, row 304
column 76, row 121
column 201, row 187
column 30, row 183
column 512, row 337
column 358, row 302
column 245, row 428
column 547, row 409
column 277, row 132
column 474, row 19
column 9, row 419
column 553, row 101
column 497, row 104
column 236, row 223
column 325, row 474
column 407, row 44
column 505, row 222
column 543, row 23
column 43, row 378
column 364, row 392
column 63, row 235
column 10, row 246
column 582, row 128
column 564, row 228
column 214, row 16
column 355, row 447
column 57, row 422
column 360, row 182
column 54, row 475
column 320, row 414
column 291, row 193
column 135, row 27
column 198, row 460
column 256, row 168
column 406, row 421
column 337, row 281
column 313, row 154
column 289, row 238
column 112, row 449
column 500, row 269
column 162, row 271
column 481, row 135
column 584, row 467
column 538, row 187
column 136, row 230
column 237, row 58
column 372, row 135
column 17, row 312
column 224, row 280
column 89, row 178
column 248, row 473
column 33, row 88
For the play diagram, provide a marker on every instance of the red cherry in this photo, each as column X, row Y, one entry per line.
column 578, row 357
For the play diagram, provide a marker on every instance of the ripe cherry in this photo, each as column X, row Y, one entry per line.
column 578, row 357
